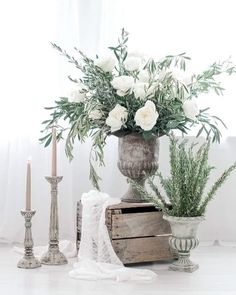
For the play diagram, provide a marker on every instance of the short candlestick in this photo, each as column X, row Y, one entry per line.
column 28, row 261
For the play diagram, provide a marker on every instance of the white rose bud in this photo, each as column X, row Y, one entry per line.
column 143, row 90
column 146, row 116
column 181, row 76
column 88, row 95
column 120, row 93
column 132, row 63
column 140, row 90
column 76, row 96
column 95, row 115
column 187, row 80
column 117, row 117
column 190, row 109
column 143, row 76
column 122, row 84
column 151, row 90
column 106, row 63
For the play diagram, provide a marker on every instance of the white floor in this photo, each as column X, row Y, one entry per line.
column 216, row 275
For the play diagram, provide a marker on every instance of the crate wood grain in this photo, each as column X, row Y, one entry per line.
column 137, row 231
column 78, row 224
column 142, row 249
column 144, row 224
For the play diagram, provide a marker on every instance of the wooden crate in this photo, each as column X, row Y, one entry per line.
column 137, row 231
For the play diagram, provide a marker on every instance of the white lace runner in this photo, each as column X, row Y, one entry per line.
column 96, row 258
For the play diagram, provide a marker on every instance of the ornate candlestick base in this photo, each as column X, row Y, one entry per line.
column 53, row 256
column 28, row 261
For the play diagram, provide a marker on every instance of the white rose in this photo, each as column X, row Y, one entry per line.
column 132, row 63
column 146, row 116
column 117, row 117
column 76, row 96
column 95, row 115
column 190, row 109
column 143, row 76
column 140, row 90
column 106, row 63
column 122, row 83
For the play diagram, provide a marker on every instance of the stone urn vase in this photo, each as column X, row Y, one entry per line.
column 184, row 239
column 138, row 159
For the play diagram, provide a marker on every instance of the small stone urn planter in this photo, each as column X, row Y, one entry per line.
column 138, row 159
column 184, row 239
column 186, row 201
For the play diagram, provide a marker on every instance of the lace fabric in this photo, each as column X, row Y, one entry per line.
column 96, row 257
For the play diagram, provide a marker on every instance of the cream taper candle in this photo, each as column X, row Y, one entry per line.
column 54, row 152
column 28, row 186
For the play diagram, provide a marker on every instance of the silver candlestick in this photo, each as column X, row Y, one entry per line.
column 53, row 256
column 28, row 261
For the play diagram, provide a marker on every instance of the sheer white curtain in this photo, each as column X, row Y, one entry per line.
column 33, row 75
column 31, row 78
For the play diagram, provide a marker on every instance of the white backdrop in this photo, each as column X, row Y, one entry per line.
column 33, row 75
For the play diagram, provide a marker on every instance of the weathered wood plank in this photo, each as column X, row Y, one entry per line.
column 79, row 216
column 143, row 249
column 78, row 224
column 139, row 225
column 130, row 205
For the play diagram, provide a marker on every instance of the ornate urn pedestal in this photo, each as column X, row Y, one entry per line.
column 138, row 159
column 184, row 239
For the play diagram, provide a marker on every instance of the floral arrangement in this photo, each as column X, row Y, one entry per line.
column 184, row 188
column 123, row 93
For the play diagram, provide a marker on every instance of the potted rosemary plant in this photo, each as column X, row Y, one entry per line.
column 185, row 191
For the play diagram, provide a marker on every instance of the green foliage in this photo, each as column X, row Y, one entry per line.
column 167, row 92
column 184, row 188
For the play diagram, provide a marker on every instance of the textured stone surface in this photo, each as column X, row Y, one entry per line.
column 137, row 159
column 184, row 239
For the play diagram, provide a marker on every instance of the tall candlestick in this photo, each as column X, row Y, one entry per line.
column 54, row 256
column 54, row 152
column 28, row 186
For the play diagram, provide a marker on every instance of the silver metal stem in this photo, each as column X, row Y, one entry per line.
column 28, row 261
column 53, row 256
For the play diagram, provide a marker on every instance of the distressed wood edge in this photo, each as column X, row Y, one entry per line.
column 78, row 224
column 127, row 205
